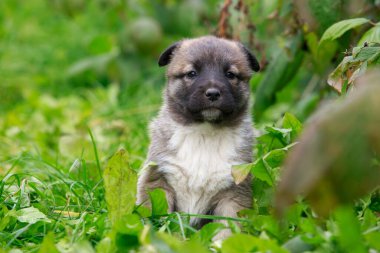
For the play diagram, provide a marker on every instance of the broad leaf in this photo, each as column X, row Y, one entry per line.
column 323, row 12
column 30, row 215
column 342, row 73
column 106, row 245
column 371, row 36
column 240, row 172
column 48, row 245
column 297, row 245
column 167, row 243
column 126, row 242
column 350, row 240
column 83, row 247
column 207, row 232
column 368, row 54
column 120, row 184
column 159, row 202
column 278, row 131
column 275, row 157
column 129, row 224
column 373, row 239
column 353, row 67
column 291, row 122
column 263, row 172
column 262, row 167
column 338, row 29
column 246, row 243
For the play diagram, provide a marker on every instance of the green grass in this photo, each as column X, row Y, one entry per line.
column 74, row 91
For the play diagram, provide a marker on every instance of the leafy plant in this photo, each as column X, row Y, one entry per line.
column 68, row 66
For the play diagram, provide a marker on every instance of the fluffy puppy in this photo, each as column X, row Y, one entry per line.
column 203, row 128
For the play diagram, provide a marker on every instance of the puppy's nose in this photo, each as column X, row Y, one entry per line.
column 212, row 94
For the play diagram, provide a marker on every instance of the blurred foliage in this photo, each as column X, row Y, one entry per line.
column 79, row 81
column 337, row 159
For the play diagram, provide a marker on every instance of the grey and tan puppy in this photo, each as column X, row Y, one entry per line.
column 203, row 128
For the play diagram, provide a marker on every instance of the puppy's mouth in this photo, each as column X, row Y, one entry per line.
column 211, row 114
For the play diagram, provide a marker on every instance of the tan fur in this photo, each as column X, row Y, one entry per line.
column 194, row 156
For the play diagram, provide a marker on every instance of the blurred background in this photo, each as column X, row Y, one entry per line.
column 67, row 66
column 79, row 80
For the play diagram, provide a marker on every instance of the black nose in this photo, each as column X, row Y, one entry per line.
column 212, row 94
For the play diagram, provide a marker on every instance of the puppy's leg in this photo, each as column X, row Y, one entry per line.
column 229, row 202
column 227, row 208
column 149, row 180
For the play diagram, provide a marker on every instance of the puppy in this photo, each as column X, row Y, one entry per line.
column 203, row 128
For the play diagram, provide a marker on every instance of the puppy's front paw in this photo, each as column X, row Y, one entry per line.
column 222, row 235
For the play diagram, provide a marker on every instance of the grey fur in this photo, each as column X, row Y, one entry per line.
column 221, row 195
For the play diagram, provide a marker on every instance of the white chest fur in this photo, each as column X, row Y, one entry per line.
column 201, row 165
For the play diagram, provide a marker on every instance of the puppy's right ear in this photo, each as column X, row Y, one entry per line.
column 166, row 56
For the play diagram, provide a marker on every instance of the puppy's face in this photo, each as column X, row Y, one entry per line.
column 208, row 79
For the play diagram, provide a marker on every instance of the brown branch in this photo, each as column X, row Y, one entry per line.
column 223, row 20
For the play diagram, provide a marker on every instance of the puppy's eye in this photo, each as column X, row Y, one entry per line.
column 230, row 75
column 191, row 74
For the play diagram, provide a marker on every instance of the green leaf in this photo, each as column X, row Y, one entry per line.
column 297, row 245
column 193, row 246
column 369, row 54
column 240, row 243
column 320, row 53
column 369, row 220
column 291, row 122
column 371, row 36
column 240, row 172
column 350, row 240
column 165, row 243
column 30, row 215
column 129, row 224
column 263, row 172
column 338, row 77
column 83, row 247
column 106, row 245
column 159, row 203
column 207, row 232
column 325, row 12
column 280, row 72
column 373, row 239
column 339, row 28
column 275, row 157
column 282, row 132
column 267, row 223
column 48, row 245
column 5, row 217
column 335, row 161
column 120, row 184
column 126, row 242
column 263, row 195
column 375, row 202
column 268, row 142
column 143, row 211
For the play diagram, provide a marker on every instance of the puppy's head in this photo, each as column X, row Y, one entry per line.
column 208, row 79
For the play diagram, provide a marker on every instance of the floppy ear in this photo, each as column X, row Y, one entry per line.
column 166, row 56
column 253, row 63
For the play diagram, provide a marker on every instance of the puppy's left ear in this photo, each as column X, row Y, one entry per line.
column 253, row 63
column 167, row 55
